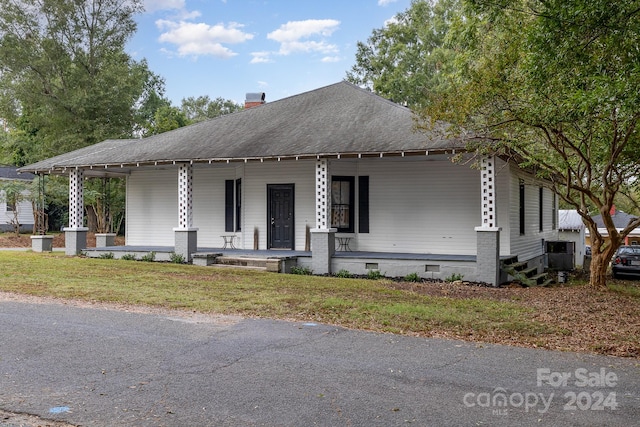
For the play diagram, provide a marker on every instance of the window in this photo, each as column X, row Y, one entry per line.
column 554, row 213
column 522, row 206
column 540, row 209
column 232, row 205
column 342, row 203
column 10, row 207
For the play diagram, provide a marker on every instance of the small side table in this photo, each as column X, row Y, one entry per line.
column 343, row 243
column 228, row 241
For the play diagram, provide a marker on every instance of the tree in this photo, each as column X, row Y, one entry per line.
column 408, row 56
column 166, row 118
column 65, row 79
column 203, row 108
column 555, row 85
column 65, row 74
column 192, row 110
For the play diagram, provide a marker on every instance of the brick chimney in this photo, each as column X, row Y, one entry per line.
column 254, row 99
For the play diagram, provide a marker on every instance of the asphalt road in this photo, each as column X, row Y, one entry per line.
column 105, row 367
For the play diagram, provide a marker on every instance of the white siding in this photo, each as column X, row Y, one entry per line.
column 152, row 210
column 531, row 244
column 209, row 202
column 421, row 206
column 152, row 202
column 24, row 208
column 256, row 177
column 416, row 205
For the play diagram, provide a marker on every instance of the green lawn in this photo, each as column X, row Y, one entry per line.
column 354, row 303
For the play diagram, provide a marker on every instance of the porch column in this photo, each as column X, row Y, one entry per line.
column 186, row 237
column 75, row 236
column 488, row 234
column 323, row 237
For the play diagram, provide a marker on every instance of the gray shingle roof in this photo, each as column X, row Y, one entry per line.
column 11, row 173
column 620, row 219
column 337, row 119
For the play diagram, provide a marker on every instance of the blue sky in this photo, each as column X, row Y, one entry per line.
column 226, row 48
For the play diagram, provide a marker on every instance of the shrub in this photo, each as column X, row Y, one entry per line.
column 128, row 257
column 344, row 274
column 374, row 275
column 106, row 255
column 413, row 277
column 150, row 257
column 454, row 277
column 304, row 271
column 177, row 258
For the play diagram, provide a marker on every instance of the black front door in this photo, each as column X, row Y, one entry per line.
column 280, row 216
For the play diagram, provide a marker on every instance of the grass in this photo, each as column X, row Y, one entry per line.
column 354, row 303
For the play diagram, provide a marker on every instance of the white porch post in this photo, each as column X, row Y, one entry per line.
column 186, row 237
column 76, row 234
column 488, row 234
column 323, row 237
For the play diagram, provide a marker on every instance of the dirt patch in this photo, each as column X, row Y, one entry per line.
column 583, row 319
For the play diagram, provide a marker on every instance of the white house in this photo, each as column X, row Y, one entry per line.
column 334, row 168
column 23, row 209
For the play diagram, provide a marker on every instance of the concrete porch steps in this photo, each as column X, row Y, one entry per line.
column 241, row 267
column 280, row 264
column 527, row 276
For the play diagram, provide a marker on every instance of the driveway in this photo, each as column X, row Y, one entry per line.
column 104, row 366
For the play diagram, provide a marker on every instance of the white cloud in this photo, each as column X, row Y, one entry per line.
column 390, row 21
column 260, row 57
column 331, row 59
column 195, row 39
column 386, row 2
column 294, row 36
column 155, row 5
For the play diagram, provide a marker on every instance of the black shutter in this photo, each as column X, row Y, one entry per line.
column 238, row 203
column 229, row 207
column 363, row 204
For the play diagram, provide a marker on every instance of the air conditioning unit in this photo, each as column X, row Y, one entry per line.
column 560, row 255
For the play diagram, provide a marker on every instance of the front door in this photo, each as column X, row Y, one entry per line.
column 280, row 218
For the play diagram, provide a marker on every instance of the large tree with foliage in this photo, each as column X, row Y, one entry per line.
column 555, row 84
column 65, row 78
column 66, row 81
column 408, row 56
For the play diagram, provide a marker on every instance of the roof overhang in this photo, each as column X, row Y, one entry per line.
column 124, row 169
